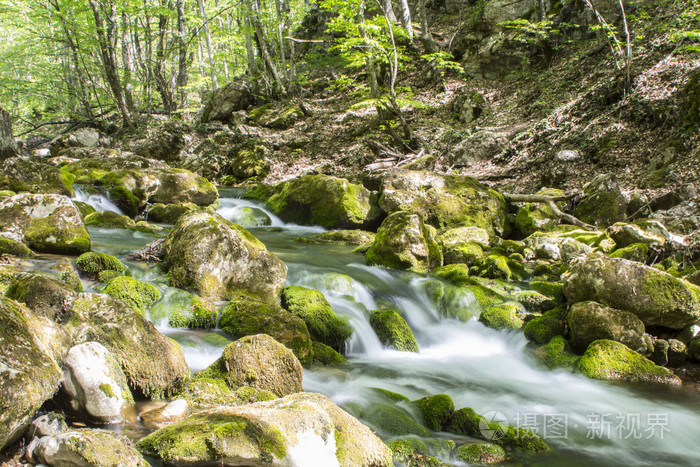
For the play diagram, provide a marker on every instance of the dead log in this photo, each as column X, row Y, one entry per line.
column 551, row 202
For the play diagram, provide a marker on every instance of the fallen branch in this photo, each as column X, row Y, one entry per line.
column 551, row 202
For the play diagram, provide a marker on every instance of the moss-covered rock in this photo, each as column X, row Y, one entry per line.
column 246, row 316
column 45, row 223
column 14, row 248
column 28, row 175
column 393, row 331
column 133, row 292
column 185, row 310
column 84, row 208
column 403, row 241
column 634, row 252
column 30, row 366
column 557, row 247
column 328, row 201
column 536, row 217
column 325, row 355
column 480, row 453
column 624, row 235
column 495, row 266
column 467, row 253
column 469, row 423
column 419, row 452
column 437, row 410
column 216, row 259
column 389, row 419
column 45, row 295
column 543, row 328
column 507, row 315
column 87, row 447
column 604, row 203
column 344, row 237
column 169, row 213
column 323, row 323
column 612, row 361
column 657, row 298
column 262, row 363
column 267, row 433
column 153, row 364
column 465, row 235
column 249, row 159
column 444, row 201
column 590, row 321
column 556, row 354
column 92, row 264
column 110, row 220
column 458, row 274
column 248, row 216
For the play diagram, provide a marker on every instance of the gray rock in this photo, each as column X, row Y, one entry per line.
column 590, row 321
column 604, row 203
column 95, row 383
column 217, row 259
column 225, row 101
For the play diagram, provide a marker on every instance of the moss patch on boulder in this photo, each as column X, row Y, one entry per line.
column 437, row 410
column 393, row 331
column 556, row 354
column 507, row 315
column 136, row 294
column 543, row 328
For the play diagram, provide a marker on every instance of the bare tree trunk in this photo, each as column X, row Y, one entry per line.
column 389, row 10
column 106, row 41
column 207, row 37
column 181, row 80
column 162, row 84
column 406, row 17
column 426, row 38
column 269, row 66
column 8, row 146
column 127, row 59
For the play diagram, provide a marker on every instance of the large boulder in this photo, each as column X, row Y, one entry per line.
column 233, row 97
column 133, row 292
column 299, row 429
column 80, row 138
column 556, row 247
column 590, row 321
column 657, row 298
column 42, row 293
column 153, row 364
column 246, row 317
column 328, row 201
column 30, row 366
column 604, row 203
column 613, row 361
column 45, row 223
column 323, row 323
column 259, row 362
column 403, row 241
column 393, row 331
column 85, row 448
column 95, row 384
column 217, row 259
column 444, row 201
column 27, row 175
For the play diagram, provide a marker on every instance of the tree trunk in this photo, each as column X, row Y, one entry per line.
column 127, row 60
column 162, row 84
column 181, row 81
column 426, row 38
column 207, row 37
column 8, row 146
column 406, row 17
column 106, row 42
column 389, row 10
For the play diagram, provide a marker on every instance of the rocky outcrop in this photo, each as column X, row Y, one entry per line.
column 45, row 223
column 403, row 241
column 95, row 384
column 655, row 297
column 27, row 175
column 444, row 201
column 153, row 364
column 300, row 429
column 328, row 201
column 233, row 97
column 31, row 354
column 217, row 259
column 604, row 203
column 42, row 293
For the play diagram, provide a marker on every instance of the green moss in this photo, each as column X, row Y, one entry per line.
column 136, row 294
column 634, row 252
column 323, row 323
column 500, row 267
column 392, row 420
column 196, row 312
column 556, row 354
column 259, row 112
column 93, row 263
column 246, row 317
column 437, row 410
column 536, row 217
column 554, row 290
column 107, row 390
column 504, row 316
column 125, row 199
column 390, row 395
column 393, row 331
column 324, row 355
column 45, row 236
column 543, row 328
column 610, row 360
column 107, row 275
column 71, row 279
column 344, row 237
column 467, row 253
column 480, row 453
column 110, row 220
column 15, row 248
column 84, row 208
column 458, row 275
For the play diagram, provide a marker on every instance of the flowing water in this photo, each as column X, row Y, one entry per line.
column 585, row 421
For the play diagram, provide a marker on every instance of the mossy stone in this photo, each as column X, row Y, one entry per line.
column 84, row 208
column 495, row 266
column 323, row 323
column 169, row 213
column 404, row 241
column 504, row 316
column 634, row 252
column 325, row 355
column 14, row 248
column 543, row 328
column 467, row 253
column 556, row 354
column 393, row 331
column 458, row 275
column 536, row 217
column 590, row 321
column 110, row 220
column 133, row 292
column 613, row 361
column 45, row 295
column 480, row 453
column 437, row 410
column 193, row 312
column 93, row 263
column 344, row 237
column 390, row 419
column 246, row 316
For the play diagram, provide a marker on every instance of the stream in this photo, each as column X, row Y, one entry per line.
column 584, row 421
